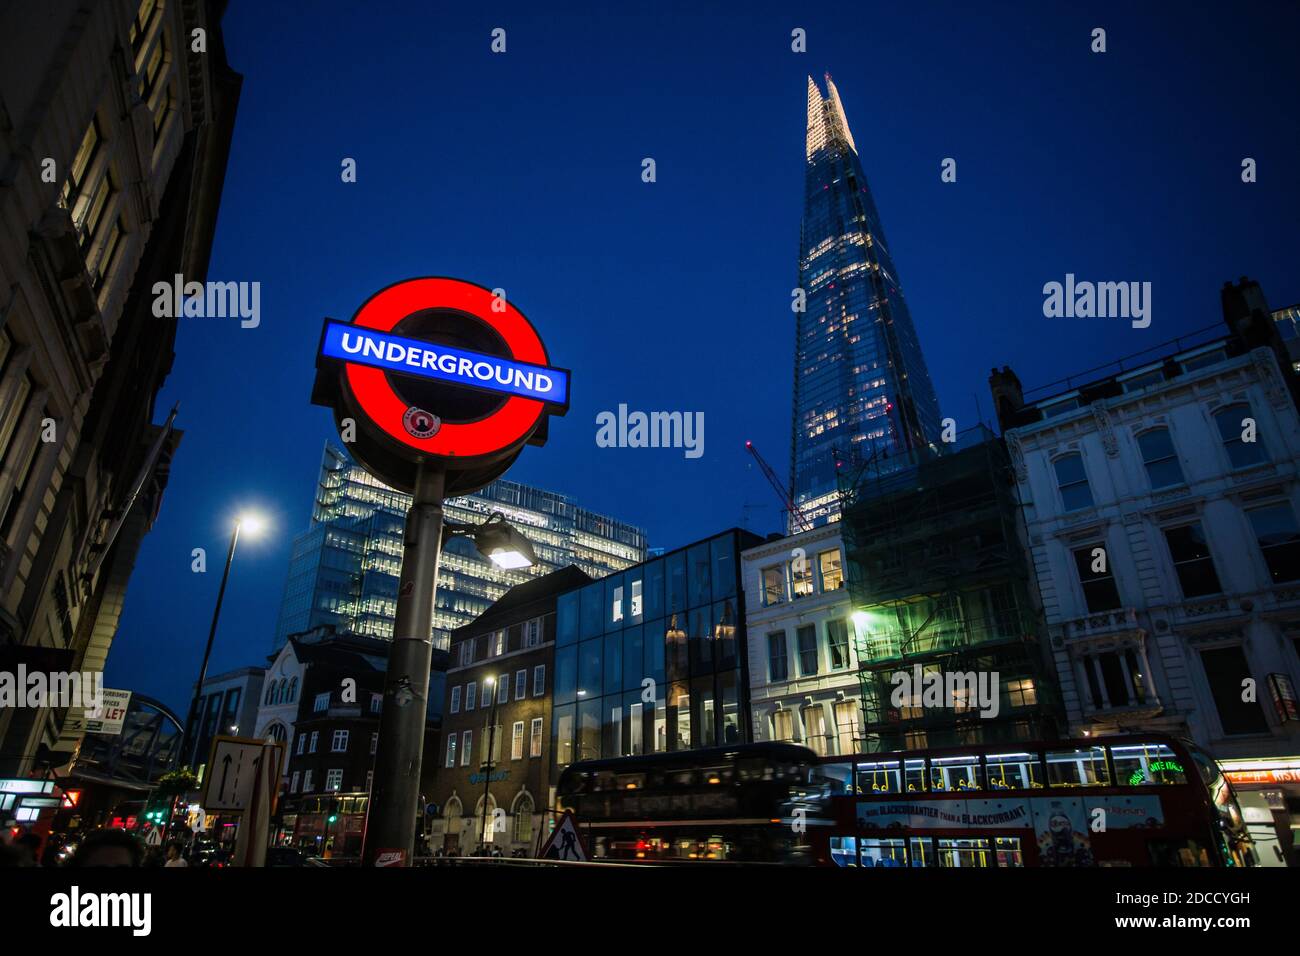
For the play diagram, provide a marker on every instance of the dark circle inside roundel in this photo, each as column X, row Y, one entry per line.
column 449, row 327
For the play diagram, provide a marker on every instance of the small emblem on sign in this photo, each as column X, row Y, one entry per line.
column 420, row 423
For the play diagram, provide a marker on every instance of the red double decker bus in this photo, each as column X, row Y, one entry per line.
column 1148, row 800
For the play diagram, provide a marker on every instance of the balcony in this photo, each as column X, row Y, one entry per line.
column 1102, row 624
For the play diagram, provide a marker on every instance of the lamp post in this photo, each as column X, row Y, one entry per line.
column 490, row 683
column 253, row 524
column 390, row 827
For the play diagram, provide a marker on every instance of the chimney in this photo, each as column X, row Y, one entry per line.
column 1008, row 396
column 1246, row 313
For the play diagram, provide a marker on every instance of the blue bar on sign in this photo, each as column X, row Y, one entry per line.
column 394, row 353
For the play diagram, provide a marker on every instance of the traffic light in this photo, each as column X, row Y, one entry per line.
column 333, row 813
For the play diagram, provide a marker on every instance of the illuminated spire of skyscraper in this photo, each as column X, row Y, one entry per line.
column 860, row 382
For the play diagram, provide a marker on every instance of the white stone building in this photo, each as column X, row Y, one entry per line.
column 803, row 669
column 1161, row 504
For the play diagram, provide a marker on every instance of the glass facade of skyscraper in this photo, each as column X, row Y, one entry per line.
column 861, row 388
column 344, row 568
column 653, row 658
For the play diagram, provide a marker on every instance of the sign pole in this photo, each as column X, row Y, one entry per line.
column 396, row 790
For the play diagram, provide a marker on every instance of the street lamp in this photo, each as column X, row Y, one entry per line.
column 253, row 524
column 490, row 684
column 497, row 540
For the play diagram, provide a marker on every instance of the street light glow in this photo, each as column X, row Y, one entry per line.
column 251, row 523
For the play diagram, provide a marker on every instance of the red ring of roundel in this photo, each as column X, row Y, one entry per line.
column 375, row 396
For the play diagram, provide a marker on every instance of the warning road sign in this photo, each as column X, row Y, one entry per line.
column 564, row 842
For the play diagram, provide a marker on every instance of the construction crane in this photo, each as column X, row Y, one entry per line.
column 797, row 518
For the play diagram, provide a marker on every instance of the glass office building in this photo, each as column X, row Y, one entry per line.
column 653, row 658
column 344, row 568
column 861, row 387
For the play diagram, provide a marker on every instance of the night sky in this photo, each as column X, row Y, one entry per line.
column 523, row 171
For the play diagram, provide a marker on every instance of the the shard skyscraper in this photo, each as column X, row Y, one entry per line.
column 861, row 387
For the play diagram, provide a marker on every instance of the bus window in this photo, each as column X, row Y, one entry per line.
column 844, row 851
column 1138, row 765
column 717, row 776
column 1007, row 850
column 880, row 776
column 955, row 773
column 1178, row 853
column 920, row 852
column 914, row 775
column 835, row 776
column 680, row 778
column 967, row 853
column 1013, row 771
column 631, row 781
column 883, row 852
column 1085, row 767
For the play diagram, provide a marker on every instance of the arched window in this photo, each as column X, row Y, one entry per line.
column 1072, row 481
column 523, row 813
column 282, row 695
column 270, row 692
column 1160, row 458
column 293, row 690
column 453, row 810
column 1240, row 433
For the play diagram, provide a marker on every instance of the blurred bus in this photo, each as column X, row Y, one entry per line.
column 1143, row 800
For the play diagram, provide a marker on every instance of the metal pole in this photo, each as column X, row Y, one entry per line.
column 487, row 775
column 191, row 730
column 390, row 824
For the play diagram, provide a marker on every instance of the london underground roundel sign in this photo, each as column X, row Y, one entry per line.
column 438, row 371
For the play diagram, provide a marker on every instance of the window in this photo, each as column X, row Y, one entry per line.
column 539, row 680
column 467, row 657
column 1099, row 588
column 1226, row 669
column 315, row 739
column 340, row 742
column 334, row 779
column 140, row 25
column 322, row 703
column 466, row 747
column 517, row 740
column 1233, row 429
column 293, row 782
column 777, row 667
column 801, row 578
column 497, row 641
column 846, row 726
column 374, row 743
column 491, row 739
column 783, row 725
column 828, row 563
column 524, row 819
column 837, row 643
column 773, row 585
column 503, row 689
column 451, row 750
column 455, row 699
column 376, row 703
column 521, row 684
column 302, row 743
column 1013, row 771
column 1279, row 540
column 1192, row 562
column 533, row 633
column 1115, row 679
column 306, row 782
column 1138, row 765
column 1072, row 481
column 535, row 738
column 807, row 639
column 814, row 723
column 1160, row 459
column 1084, row 767
column 470, row 690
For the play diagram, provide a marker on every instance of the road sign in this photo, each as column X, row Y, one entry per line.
column 564, row 843
column 153, row 837
column 108, row 719
column 440, row 371
column 232, row 773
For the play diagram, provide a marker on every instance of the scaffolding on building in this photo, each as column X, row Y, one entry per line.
column 939, row 580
